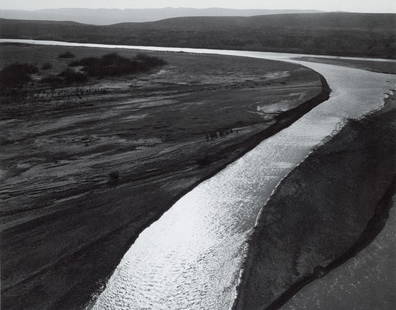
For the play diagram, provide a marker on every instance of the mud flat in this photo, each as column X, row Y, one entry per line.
column 322, row 214
column 85, row 168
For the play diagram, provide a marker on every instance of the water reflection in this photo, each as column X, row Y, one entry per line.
column 178, row 262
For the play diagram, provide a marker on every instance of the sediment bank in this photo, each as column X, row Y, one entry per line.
column 323, row 212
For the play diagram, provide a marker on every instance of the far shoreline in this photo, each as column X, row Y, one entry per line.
column 189, row 49
column 372, row 167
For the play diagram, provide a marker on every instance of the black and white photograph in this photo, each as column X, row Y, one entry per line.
column 197, row 155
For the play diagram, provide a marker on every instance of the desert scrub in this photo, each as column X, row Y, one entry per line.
column 66, row 77
column 16, row 75
column 66, row 55
column 116, row 65
column 46, row 66
column 70, row 76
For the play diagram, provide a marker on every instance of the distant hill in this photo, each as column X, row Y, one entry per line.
column 113, row 16
column 347, row 34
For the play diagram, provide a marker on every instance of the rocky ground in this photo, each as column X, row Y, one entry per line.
column 85, row 168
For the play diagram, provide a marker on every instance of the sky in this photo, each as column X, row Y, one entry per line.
column 374, row 6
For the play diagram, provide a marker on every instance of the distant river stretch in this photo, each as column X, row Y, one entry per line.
column 191, row 257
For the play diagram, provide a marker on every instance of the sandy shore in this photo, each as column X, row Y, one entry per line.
column 66, row 222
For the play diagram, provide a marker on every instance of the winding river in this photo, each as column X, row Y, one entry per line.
column 191, row 257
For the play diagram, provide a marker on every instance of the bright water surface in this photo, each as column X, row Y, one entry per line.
column 191, row 257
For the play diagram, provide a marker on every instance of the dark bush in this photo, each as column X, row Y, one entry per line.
column 150, row 61
column 46, row 66
column 16, row 75
column 113, row 58
column 88, row 61
column 115, row 65
column 66, row 55
column 53, row 80
column 70, row 76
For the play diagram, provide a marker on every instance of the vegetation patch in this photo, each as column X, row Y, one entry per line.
column 16, row 75
column 116, row 65
column 66, row 55
column 46, row 66
column 70, row 76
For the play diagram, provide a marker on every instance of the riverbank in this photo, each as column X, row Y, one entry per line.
column 83, row 175
column 324, row 212
column 382, row 66
column 365, row 281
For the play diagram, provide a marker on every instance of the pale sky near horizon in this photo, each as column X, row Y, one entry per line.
column 374, row 6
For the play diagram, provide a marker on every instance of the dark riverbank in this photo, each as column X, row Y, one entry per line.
column 361, row 277
column 388, row 67
column 325, row 211
column 65, row 225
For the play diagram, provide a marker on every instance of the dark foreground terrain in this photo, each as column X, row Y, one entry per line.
column 345, row 34
column 366, row 282
column 86, row 167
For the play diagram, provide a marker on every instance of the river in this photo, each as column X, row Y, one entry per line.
column 191, row 257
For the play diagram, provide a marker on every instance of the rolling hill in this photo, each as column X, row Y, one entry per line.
column 346, row 34
column 112, row 16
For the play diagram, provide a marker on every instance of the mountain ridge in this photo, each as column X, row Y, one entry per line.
column 113, row 16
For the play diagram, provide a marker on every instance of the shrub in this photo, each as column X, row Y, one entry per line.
column 46, row 66
column 66, row 55
column 114, row 65
column 16, row 75
column 70, row 76
column 53, row 80
column 150, row 61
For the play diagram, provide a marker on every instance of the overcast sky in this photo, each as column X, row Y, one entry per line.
column 388, row 6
